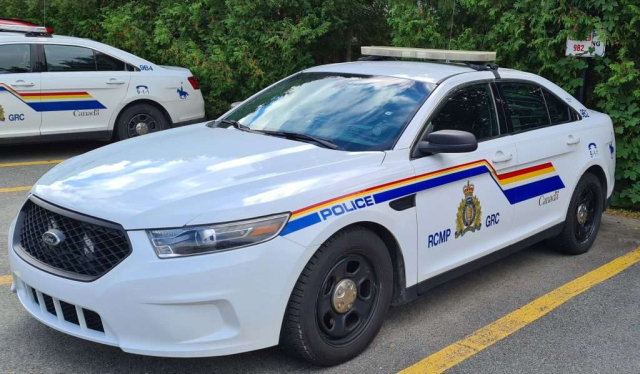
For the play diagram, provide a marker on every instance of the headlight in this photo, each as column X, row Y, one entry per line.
column 196, row 240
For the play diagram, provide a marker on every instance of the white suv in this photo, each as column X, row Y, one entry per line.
column 304, row 212
column 56, row 87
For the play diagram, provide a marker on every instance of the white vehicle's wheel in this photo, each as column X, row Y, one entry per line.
column 140, row 119
column 340, row 300
column 583, row 218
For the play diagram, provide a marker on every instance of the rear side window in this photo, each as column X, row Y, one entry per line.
column 559, row 112
column 470, row 109
column 69, row 58
column 15, row 58
column 526, row 106
column 108, row 63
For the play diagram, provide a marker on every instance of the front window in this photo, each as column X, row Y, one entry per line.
column 355, row 112
column 15, row 58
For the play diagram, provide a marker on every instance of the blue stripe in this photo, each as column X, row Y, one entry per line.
column 301, row 223
column 381, row 197
column 66, row 105
column 534, row 189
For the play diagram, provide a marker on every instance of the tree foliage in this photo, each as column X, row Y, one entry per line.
column 236, row 47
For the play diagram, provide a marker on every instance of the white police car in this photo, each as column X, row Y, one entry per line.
column 56, row 87
column 305, row 212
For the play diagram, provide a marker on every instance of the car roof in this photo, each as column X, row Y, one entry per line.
column 428, row 72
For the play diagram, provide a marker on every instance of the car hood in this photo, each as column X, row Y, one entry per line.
column 195, row 175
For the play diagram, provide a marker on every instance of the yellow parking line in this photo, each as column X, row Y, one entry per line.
column 514, row 321
column 5, row 279
column 30, row 163
column 15, row 189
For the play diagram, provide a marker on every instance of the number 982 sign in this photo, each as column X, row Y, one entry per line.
column 585, row 48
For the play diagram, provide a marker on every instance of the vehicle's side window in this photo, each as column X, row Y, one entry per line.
column 69, row 58
column 15, row 58
column 526, row 106
column 559, row 111
column 469, row 109
column 108, row 63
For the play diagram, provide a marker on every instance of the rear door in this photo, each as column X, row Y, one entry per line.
column 463, row 213
column 19, row 91
column 548, row 137
column 81, row 89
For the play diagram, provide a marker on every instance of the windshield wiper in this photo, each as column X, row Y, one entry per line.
column 304, row 137
column 229, row 122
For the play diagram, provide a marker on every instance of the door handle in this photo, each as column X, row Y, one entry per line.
column 22, row 83
column 114, row 81
column 571, row 140
column 501, row 157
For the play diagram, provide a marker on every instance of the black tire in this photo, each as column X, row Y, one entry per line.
column 307, row 331
column 576, row 237
column 152, row 118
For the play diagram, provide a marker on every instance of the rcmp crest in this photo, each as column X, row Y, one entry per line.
column 1, row 114
column 469, row 214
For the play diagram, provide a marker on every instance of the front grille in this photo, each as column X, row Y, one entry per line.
column 70, row 313
column 89, row 248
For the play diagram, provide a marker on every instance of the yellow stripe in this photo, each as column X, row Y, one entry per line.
column 512, row 322
column 518, row 178
column 56, row 97
column 5, row 279
column 15, row 189
column 30, row 163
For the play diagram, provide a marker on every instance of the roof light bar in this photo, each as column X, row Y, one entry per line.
column 430, row 54
column 25, row 29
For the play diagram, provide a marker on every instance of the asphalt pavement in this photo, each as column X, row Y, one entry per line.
column 595, row 332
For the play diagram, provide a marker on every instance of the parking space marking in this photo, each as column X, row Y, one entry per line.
column 15, row 189
column 487, row 336
column 30, row 163
column 5, row 279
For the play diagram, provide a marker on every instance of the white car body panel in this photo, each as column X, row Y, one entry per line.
column 164, row 86
column 521, row 183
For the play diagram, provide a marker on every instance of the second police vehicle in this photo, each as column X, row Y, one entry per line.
column 57, row 87
column 303, row 213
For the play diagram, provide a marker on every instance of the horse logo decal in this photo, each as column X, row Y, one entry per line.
column 183, row 94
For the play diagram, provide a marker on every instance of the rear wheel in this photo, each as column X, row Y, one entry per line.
column 583, row 217
column 140, row 119
column 340, row 300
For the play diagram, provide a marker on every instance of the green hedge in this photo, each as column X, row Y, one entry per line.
column 236, row 47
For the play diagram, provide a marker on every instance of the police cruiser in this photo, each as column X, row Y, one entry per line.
column 57, row 87
column 303, row 213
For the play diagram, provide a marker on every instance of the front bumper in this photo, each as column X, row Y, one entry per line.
column 207, row 305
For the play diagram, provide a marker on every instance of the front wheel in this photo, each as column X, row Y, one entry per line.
column 340, row 300
column 583, row 217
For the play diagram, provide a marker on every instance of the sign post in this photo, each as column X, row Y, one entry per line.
column 586, row 49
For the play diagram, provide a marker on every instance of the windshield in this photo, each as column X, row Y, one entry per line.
column 355, row 112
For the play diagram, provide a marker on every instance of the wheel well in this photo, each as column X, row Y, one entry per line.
column 399, row 275
column 142, row 101
column 599, row 173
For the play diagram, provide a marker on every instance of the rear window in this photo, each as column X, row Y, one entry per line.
column 15, row 58
column 559, row 112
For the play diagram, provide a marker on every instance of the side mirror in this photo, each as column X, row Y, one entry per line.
column 233, row 105
column 448, row 141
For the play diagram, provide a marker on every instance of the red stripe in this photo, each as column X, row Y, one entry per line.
column 52, row 94
column 525, row 171
column 382, row 185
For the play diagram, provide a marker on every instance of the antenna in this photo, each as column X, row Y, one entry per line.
column 450, row 28
column 44, row 12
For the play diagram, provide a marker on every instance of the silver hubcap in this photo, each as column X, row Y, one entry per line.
column 344, row 296
column 582, row 214
column 142, row 128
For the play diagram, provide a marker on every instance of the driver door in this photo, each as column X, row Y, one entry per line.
column 463, row 213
